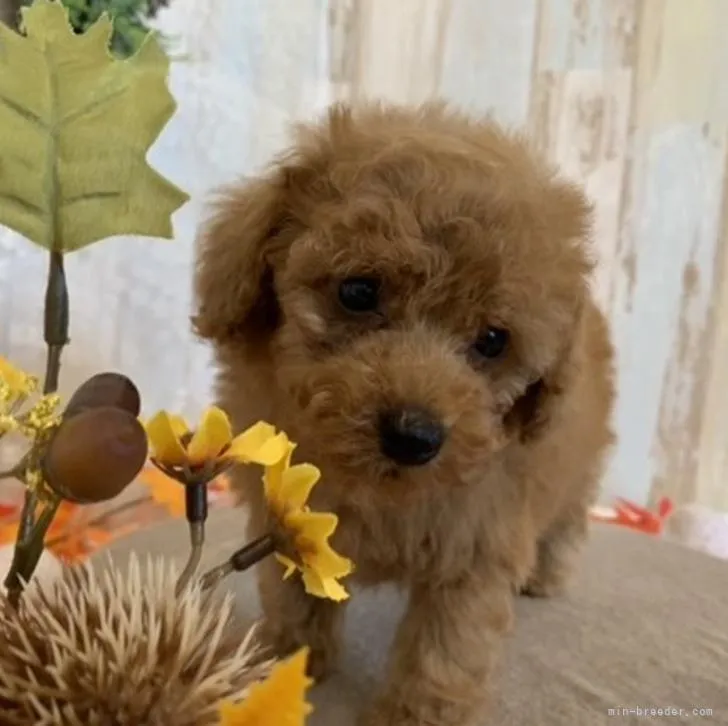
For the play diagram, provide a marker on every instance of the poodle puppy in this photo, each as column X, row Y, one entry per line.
column 406, row 293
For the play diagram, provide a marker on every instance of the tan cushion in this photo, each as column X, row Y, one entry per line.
column 645, row 626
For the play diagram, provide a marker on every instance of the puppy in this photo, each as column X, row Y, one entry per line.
column 406, row 294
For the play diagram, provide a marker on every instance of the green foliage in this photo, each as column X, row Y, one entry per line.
column 128, row 17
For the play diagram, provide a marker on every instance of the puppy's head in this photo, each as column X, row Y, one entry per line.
column 414, row 280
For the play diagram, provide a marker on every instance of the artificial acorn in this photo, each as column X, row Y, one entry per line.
column 94, row 455
column 105, row 389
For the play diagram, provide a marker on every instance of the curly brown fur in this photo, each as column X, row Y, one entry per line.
column 465, row 229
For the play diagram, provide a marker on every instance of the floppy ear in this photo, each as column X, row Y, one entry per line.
column 234, row 287
column 544, row 399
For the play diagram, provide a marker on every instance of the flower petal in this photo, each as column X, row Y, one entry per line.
column 323, row 587
column 313, row 583
column 273, row 477
column 272, row 451
column 254, row 443
column 163, row 432
column 179, row 425
column 288, row 563
column 10, row 374
column 297, row 484
column 211, row 437
column 19, row 383
column 311, row 531
column 329, row 563
column 315, row 527
column 280, row 699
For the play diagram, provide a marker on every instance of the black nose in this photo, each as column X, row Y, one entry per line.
column 410, row 436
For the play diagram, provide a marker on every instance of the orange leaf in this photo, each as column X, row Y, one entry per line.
column 220, row 484
column 98, row 537
column 7, row 511
column 8, row 533
column 79, row 545
column 66, row 517
column 165, row 491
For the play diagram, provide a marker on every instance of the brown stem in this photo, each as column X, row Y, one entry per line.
column 56, row 320
column 253, row 553
column 241, row 560
column 55, row 328
column 197, row 542
column 28, row 554
column 27, row 516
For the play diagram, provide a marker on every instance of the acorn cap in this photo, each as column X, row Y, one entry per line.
column 105, row 389
column 95, row 454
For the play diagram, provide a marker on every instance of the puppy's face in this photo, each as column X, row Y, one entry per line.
column 416, row 290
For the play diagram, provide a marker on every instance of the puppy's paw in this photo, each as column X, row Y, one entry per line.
column 542, row 586
column 383, row 715
column 428, row 712
column 321, row 663
column 322, row 655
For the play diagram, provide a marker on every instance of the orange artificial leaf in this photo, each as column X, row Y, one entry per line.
column 165, row 491
column 78, row 545
column 9, row 510
column 220, row 485
column 67, row 515
column 8, row 533
column 98, row 537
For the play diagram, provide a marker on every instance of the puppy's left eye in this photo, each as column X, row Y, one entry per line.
column 359, row 294
column 491, row 342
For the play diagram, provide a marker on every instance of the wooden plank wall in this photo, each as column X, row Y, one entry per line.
column 630, row 98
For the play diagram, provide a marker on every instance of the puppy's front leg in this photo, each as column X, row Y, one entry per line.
column 443, row 654
column 558, row 550
column 293, row 619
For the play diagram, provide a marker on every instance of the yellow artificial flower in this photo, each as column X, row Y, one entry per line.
column 212, row 445
column 15, row 385
column 42, row 417
column 279, row 700
column 7, row 423
column 287, row 489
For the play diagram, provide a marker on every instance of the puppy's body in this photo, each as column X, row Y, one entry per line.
column 407, row 295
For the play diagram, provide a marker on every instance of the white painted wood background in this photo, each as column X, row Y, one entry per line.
column 629, row 96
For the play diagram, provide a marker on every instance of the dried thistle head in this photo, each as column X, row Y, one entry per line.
column 117, row 648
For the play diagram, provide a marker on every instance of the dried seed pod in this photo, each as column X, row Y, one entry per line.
column 105, row 389
column 78, row 651
column 95, row 454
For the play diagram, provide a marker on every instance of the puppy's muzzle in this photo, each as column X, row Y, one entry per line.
column 410, row 436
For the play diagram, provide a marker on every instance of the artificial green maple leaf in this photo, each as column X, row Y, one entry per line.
column 75, row 128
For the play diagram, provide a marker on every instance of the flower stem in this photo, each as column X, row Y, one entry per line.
column 196, row 511
column 241, row 560
column 28, row 553
column 197, row 542
column 253, row 553
column 56, row 320
column 36, row 542
column 31, row 534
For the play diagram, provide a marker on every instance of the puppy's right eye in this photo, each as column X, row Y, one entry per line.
column 491, row 342
column 359, row 294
